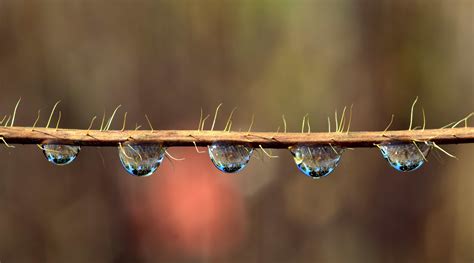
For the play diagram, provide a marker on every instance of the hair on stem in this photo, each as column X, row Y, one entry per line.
column 52, row 112
column 149, row 123
column 411, row 113
column 36, row 121
column 14, row 112
column 215, row 116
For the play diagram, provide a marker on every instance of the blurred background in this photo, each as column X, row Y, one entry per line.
column 168, row 59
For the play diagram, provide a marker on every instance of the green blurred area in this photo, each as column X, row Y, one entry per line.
column 169, row 58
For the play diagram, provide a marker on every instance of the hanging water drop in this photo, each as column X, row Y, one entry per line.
column 60, row 154
column 316, row 161
column 141, row 159
column 405, row 156
column 229, row 158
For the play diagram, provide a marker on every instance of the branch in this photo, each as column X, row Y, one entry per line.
column 28, row 135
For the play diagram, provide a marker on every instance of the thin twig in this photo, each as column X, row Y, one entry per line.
column 25, row 135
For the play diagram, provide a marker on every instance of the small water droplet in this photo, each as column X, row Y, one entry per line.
column 141, row 159
column 229, row 158
column 405, row 156
column 316, row 161
column 60, row 154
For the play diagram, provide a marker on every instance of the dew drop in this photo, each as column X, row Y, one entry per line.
column 229, row 158
column 141, row 159
column 316, row 161
column 405, row 156
column 60, row 154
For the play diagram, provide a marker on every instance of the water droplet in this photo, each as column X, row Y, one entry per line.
column 60, row 154
column 141, row 159
column 405, row 156
column 316, row 161
column 229, row 158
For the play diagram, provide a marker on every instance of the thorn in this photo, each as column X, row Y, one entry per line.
column 204, row 122
column 52, row 112
column 284, row 123
column 59, row 120
column 36, row 121
column 112, row 118
column 5, row 142
column 229, row 119
column 149, row 122
column 302, row 124
column 4, row 117
column 266, row 153
column 14, row 112
column 342, row 121
column 419, row 150
column 251, row 124
column 176, row 159
column 197, row 149
column 329, row 124
column 443, row 150
column 215, row 117
column 102, row 123
column 309, row 126
column 200, row 121
column 8, row 120
column 411, row 113
column 447, row 125
column 424, row 119
column 350, row 119
column 92, row 122
column 463, row 119
column 390, row 124
column 124, row 121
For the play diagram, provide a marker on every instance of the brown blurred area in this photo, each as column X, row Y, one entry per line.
column 168, row 59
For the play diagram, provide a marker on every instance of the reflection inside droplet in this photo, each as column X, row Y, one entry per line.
column 316, row 161
column 230, row 158
column 141, row 159
column 405, row 156
column 60, row 154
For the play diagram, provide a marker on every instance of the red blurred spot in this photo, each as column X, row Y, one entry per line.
column 192, row 209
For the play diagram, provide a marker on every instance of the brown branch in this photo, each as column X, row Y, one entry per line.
column 26, row 135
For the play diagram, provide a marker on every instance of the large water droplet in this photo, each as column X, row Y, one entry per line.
column 405, row 156
column 316, row 161
column 229, row 158
column 141, row 159
column 60, row 154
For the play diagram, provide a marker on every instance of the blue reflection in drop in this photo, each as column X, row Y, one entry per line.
column 316, row 161
column 60, row 154
column 141, row 159
column 405, row 156
column 229, row 158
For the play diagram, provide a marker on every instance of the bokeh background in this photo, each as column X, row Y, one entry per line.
column 168, row 59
